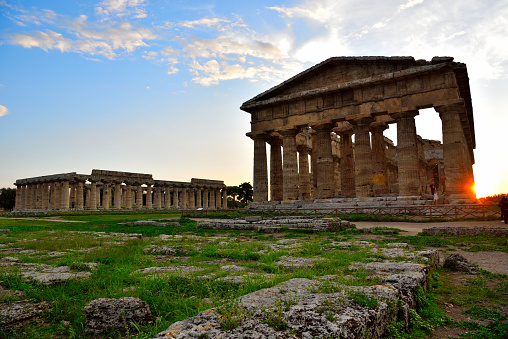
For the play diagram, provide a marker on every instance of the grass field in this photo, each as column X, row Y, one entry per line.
column 99, row 239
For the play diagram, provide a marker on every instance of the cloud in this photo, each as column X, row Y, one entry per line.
column 120, row 8
column 203, row 22
column 173, row 70
column 94, row 39
column 3, row 111
column 409, row 4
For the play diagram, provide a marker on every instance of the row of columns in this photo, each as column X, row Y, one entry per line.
column 363, row 172
column 64, row 195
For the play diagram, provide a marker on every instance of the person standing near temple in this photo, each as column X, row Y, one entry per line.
column 433, row 191
column 503, row 206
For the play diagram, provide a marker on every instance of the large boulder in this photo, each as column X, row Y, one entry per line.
column 107, row 314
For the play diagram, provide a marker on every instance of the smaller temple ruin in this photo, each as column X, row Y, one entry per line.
column 119, row 190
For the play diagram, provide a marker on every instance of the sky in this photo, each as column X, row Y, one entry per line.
column 155, row 86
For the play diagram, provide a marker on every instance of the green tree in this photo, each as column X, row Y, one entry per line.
column 233, row 192
column 8, row 198
column 245, row 193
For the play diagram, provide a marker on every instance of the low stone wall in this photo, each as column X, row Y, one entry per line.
column 465, row 230
column 277, row 223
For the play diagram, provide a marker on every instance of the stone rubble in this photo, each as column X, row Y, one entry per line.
column 457, row 262
column 18, row 311
column 108, row 314
column 307, row 312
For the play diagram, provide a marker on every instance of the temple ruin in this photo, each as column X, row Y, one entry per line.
column 316, row 113
column 110, row 189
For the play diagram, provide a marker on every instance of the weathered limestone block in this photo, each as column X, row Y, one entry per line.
column 107, row 314
column 12, row 313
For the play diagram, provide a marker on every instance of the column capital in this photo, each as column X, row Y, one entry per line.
column 378, row 127
column 405, row 114
column 258, row 135
column 361, row 120
column 274, row 140
column 290, row 132
column 324, row 126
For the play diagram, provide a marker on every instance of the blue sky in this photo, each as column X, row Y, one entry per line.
column 155, row 86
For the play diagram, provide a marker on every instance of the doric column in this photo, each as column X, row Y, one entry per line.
column 118, row 195
column 149, row 196
column 93, row 195
column 65, row 194
column 139, row 196
column 87, row 196
column 289, row 164
column 199, row 203
column 260, row 167
column 106, row 196
column 72, row 196
column 192, row 198
column 128, row 195
column 363, row 157
column 37, row 196
column 52, row 198
column 218, row 198
column 275, row 168
column 313, row 165
column 379, row 158
column 407, row 154
column 324, row 162
column 33, row 196
column 176, row 203
column 212, row 199
column 225, row 198
column 457, row 160
column 205, row 198
column 17, row 205
column 167, row 198
column 22, row 198
column 184, row 198
column 98, row 195
column 157, row 196
column 303, row 172
column 79, row 195
column 45, row 196
column 336, row 173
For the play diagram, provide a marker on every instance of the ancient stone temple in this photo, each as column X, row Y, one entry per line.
column 111, row 189
column 318, row 113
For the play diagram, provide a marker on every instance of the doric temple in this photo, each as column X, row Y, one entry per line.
column 110, row 189
column 318, row 113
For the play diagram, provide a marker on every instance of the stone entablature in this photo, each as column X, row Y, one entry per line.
column 113, row 189
column 344, row 97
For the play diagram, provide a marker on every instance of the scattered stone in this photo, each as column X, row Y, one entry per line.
column 456, row 262
column 150, row 223
column 165, row 270
column 7, row 292
column 10, row 259
column 397, row 245
column 108, row 314
column 5, row 230
column 289, row 263
column 168, row 250
column 233, row 268
column 17, row 311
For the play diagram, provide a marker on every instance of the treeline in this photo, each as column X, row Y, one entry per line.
column 7, row 199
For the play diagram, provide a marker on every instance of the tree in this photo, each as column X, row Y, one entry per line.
column 245, row 192
column 233, row 192
column 7, row 198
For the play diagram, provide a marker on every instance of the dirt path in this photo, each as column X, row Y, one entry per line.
column 414, row 228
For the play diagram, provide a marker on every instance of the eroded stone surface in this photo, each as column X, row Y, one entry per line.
column 107, row 314
column 21, row 310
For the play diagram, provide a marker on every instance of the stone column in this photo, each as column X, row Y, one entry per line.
column 87, row 198
column 52, row 196
column 118, row 195
column 303, row 172
column 128, row 196
column 158, row 199
column 205, row 199
column 139, row 196
column 289, row 164
column 22, row 198
column 184, row 198
column 275, row 168
column 260, row 168
column 407, row 155
column 33, row 196
column 212, row 199
column 79, row 195
column 199, row 192
column 363, row 158
column 313, row 164
column 167, row 198
column 37, row 196
column 458, row 178
column 45, row 196
column 98, row 194
column 192, row 198
column 17, row 205
column 324, row 162
column 218, row 198
column 72, row 197
column 379, row 158
column 176, row 203
column 336, row 173
column 106, row 196
column 65, row 195
column 93, row 195
column 149, row 196
column 225, row 198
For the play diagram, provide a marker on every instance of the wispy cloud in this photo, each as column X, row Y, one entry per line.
column 121, row 8
column 3, row 111
column 208, row 22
